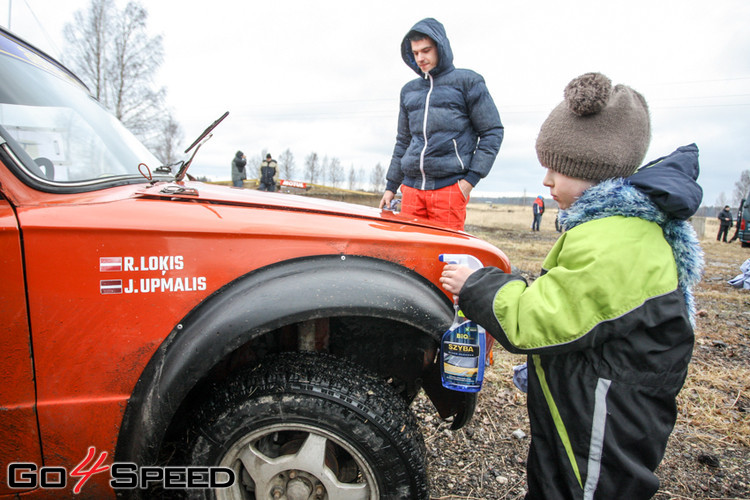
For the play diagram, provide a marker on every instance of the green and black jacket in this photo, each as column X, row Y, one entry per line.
column 608, row 330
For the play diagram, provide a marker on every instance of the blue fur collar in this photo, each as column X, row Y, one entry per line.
column 617, row 197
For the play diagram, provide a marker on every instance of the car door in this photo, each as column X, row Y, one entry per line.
column 19, row 434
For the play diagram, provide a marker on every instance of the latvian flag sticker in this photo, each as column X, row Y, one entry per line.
column 107, row 287
column 109, row 264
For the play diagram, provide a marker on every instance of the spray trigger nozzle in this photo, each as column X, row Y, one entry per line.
column 461, row 259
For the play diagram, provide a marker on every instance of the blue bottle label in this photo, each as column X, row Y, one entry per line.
column 461, row 357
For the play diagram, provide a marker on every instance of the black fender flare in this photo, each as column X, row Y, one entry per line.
column 333, row 284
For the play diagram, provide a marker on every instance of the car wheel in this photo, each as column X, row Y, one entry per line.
column 310, row 426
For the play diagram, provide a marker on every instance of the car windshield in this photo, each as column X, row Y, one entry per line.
column 56, row 129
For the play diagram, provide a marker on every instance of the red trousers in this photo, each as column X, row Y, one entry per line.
column 445, row 207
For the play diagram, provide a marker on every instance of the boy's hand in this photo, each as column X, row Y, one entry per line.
column 454, row 277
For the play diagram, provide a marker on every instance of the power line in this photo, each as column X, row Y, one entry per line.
column 41, row 26
column 731, row 105
column 703, row 97
column 716, row 80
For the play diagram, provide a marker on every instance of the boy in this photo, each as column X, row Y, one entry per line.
column 608, row 327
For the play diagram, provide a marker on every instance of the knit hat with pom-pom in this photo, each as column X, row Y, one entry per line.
column 598, row 132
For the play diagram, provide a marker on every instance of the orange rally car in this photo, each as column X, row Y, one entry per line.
column 160, row 335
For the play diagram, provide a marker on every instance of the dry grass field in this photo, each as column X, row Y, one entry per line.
column 708, row 455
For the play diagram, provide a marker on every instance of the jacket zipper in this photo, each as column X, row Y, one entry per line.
column 424, row 132
column 455, row 148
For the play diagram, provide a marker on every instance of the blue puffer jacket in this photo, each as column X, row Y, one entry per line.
column 443, row 115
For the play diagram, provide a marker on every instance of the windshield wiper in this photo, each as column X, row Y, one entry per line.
column 206, row 135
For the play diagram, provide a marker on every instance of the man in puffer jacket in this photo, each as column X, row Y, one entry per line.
column 449, row 131
column 725, row 222
column 238, row 169
column 608, row 326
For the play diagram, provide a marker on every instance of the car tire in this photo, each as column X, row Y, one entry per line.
column 307, row 425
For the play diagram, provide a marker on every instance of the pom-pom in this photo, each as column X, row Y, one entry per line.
column 588, row 94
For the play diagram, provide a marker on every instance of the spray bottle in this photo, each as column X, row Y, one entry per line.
column 462, row 350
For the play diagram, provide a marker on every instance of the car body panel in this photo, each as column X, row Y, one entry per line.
column 18, row 433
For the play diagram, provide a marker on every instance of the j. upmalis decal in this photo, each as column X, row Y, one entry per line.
column 148, row 264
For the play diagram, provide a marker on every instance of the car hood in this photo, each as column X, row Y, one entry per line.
column 225, row 195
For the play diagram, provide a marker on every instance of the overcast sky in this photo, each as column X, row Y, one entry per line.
column 324, row 76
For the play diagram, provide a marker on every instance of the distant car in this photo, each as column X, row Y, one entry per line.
column 743, row 222
column 158, row 333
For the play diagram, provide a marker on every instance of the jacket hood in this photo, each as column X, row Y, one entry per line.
column 435, row 30
column 670, row 182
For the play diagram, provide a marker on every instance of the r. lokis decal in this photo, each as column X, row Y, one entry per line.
column 156, row 267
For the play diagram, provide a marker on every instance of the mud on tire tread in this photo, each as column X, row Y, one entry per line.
column 322, row 391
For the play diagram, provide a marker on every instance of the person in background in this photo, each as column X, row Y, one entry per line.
column 538, row 207
column 725, row 222
column 238, row 169
column 608, row 326
column 449, row 131
column 268, row 174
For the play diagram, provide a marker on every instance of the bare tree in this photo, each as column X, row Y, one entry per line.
column 742, row 187
column 312, row 167
column 169, row 139
column 335, row 172
column 378, row 178
column 88, row 40
column 286, row 164
column 323, row 171
column 721, row 200
column 135, row 59
column 114, row 55
column 353, row 179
